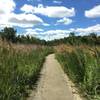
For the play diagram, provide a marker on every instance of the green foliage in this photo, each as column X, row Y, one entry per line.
column 91, row 39
column 19, row 71
column 8, row 34
column 29, row 40
column 83, row 68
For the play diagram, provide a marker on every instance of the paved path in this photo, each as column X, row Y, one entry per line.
column 53, row 84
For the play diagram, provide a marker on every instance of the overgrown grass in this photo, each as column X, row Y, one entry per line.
column 19, row 70
column 83, row 67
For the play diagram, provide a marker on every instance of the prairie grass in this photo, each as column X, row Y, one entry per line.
column 83, row 67
column 19, row 69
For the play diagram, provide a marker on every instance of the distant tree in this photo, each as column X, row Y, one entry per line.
column 93, row 35
column 92, row 38
column 72, row 38
column 9, row 34
column 72, row 34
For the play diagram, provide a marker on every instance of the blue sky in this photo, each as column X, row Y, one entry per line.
column 51, row 19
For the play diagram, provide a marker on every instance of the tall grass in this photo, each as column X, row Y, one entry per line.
column 83, row 67
column 19, row 70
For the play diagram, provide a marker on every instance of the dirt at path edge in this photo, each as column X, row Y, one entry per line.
column 54, row 84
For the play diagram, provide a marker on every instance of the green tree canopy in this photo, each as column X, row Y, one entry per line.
column 8, row 34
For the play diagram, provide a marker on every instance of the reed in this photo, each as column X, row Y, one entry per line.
column 83, row 67
column 19, row 69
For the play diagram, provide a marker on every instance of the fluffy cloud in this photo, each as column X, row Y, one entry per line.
column 47, row 35
column 6, row 6
column 39, row 29
column 57, row 34
column 86, row 31
column 46, row 24
column 27, row 8
column 65, row 21
column 93, row 13
column 25, row 20
column 31, row 32
column 34, row 0
column 50, row 11
column 9, row 18
column 57, row 1
column 53, row 34
column 21, row 20
column 55, row 11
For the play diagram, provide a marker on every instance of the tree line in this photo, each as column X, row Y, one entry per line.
column 91, row 39
column 9, row 34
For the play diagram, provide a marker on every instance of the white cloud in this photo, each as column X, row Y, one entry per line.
column 51, row 11
column 57, row 1
column 34, row 0
column 2, row 26
column 27, row 8
column 7, row 6
column 55, row 11
column 9, row 18
column 46, row 24
column 21, row 20
column 65, row 21
column 25, row 20
column 93, row 13
column 54, row 34
column 51, row 32
column 38, row 29
column 47, row 35
column 31, row 32
column 57, row 34
column 90, row 29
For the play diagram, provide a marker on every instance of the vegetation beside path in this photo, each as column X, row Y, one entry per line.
column 19, row 69
column 21, row 59
column 83, row 67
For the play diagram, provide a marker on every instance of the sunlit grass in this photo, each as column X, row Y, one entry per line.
column 83, row 67
column 19, row 69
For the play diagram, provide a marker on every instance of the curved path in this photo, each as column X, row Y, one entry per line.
column 53, row 84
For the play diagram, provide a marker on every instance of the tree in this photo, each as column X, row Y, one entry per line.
column 92, row 38
column 9, row 34
column 93, row 35
column 72, row 34
column 72, row 38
